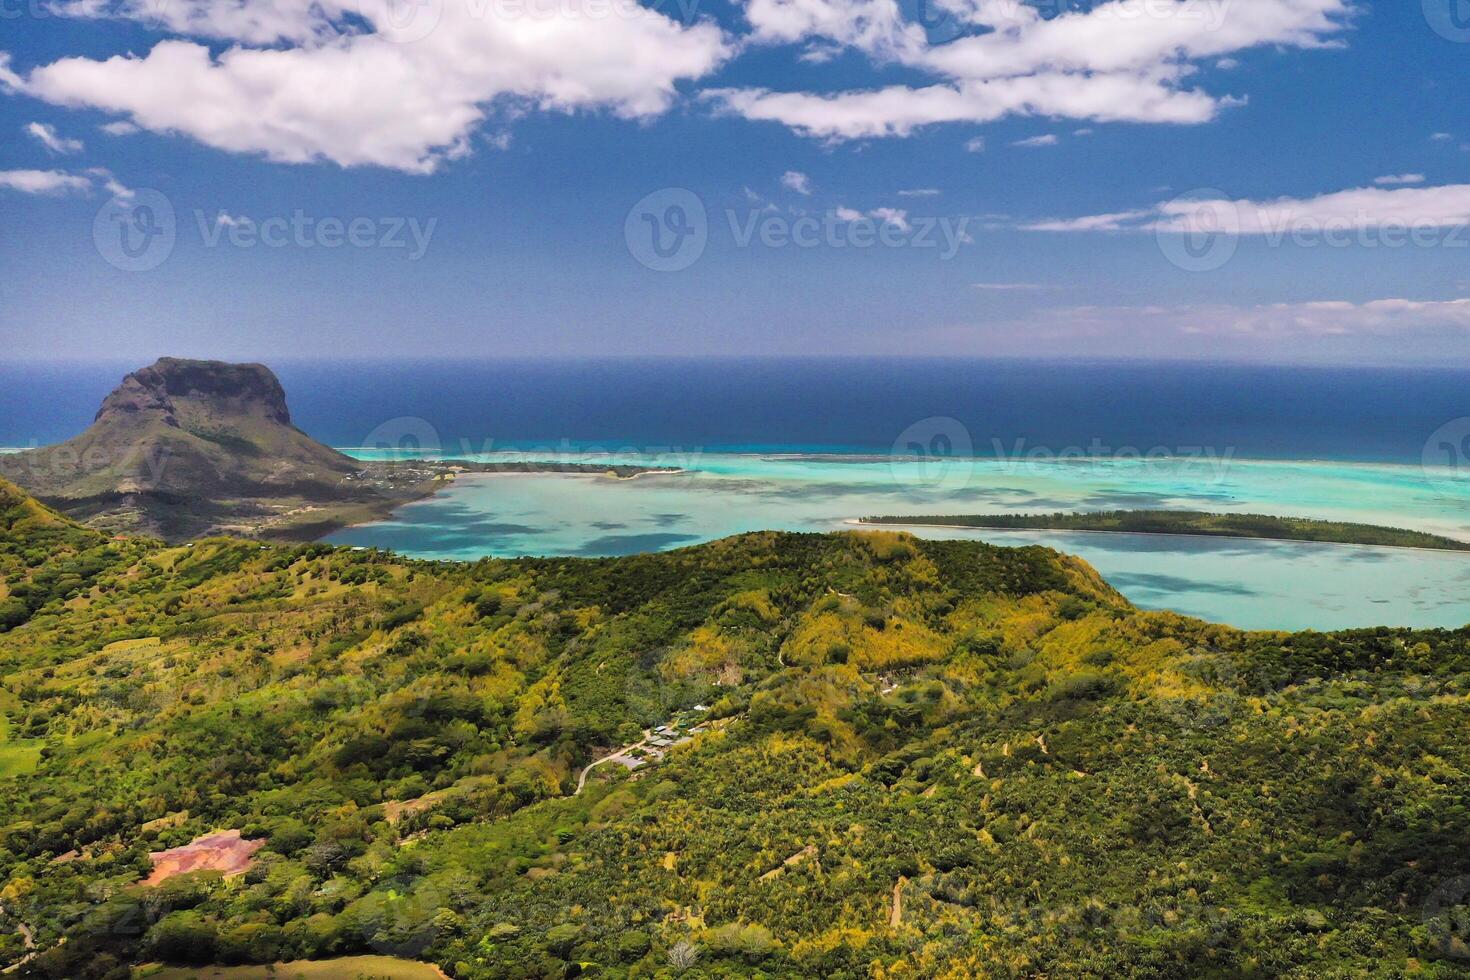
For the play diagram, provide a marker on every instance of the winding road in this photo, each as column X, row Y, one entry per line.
column 619, row 754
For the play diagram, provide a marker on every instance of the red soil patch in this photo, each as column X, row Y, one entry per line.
column 223, row 851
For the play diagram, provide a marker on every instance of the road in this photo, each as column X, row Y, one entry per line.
column 620, row 753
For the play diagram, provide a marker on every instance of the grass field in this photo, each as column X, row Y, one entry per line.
column 20, row 756
column 343, row 968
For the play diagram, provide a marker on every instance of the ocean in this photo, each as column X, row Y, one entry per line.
column 811, row 445
column 812, row 405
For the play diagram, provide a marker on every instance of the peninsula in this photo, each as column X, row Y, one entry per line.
column 1257, row 526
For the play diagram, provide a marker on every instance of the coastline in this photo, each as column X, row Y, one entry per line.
column 871, row 457
column 386, row 510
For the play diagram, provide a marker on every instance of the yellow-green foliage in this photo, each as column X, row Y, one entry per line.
column 923, row 759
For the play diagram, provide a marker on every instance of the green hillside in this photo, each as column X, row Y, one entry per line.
column 890, row 758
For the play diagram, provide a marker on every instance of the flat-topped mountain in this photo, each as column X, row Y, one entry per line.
column 190, row 428
column 183, row 448
column 186, row 449
column 179, row 388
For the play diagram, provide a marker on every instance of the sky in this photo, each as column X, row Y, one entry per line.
column 1281, row 181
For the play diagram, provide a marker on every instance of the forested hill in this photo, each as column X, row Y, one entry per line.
column 884, row 758
column 1193, row 523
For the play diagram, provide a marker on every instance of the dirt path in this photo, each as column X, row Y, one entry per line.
column 895, row 919
column 619, row 754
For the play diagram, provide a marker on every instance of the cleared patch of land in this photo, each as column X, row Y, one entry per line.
column 342, row 968
column 224, row 852
column 18, row 756
column 1195, row 523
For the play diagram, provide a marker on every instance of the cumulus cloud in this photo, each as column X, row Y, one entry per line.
column 797, row 181
column 1048, row 140
column 900, row 110
column 920, row 192
column 1397, row 180
column 358, row 83
column 52, row 140
column 49, row 182
column 874, row 26
column 1446, row 206
column 1125, row 60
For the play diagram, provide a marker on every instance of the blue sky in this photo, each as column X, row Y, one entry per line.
column 1275, row 180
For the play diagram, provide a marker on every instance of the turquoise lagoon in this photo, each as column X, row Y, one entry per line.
column 1252, row 584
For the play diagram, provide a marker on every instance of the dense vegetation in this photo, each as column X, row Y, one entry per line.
column 929, row 759
column 1195, row 522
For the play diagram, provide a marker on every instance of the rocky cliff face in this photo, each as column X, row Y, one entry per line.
column 217, row 387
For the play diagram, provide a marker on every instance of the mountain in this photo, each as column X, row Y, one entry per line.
column 858, row 755
column 184, row 448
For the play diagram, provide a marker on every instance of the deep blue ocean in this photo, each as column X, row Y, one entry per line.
column 839, row 404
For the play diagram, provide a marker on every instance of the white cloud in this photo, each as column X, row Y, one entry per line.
column 897, row 217
column 1366, row 207
column 52, row 140
column 1442, row 138
column 1323, row 318
column 1010, row 287
column 1227, row 64
column 975, row 144
column 1118, row 61
column 51, row 182
column 1049, row 139
column 1084, row 131
column 920, row 192
column 1116, row 221
column 120, row 128
column 900, row 110
column 110, row 183
column 874, row 26
column 356, row 83
column 1398, row 180
column 797, row 181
